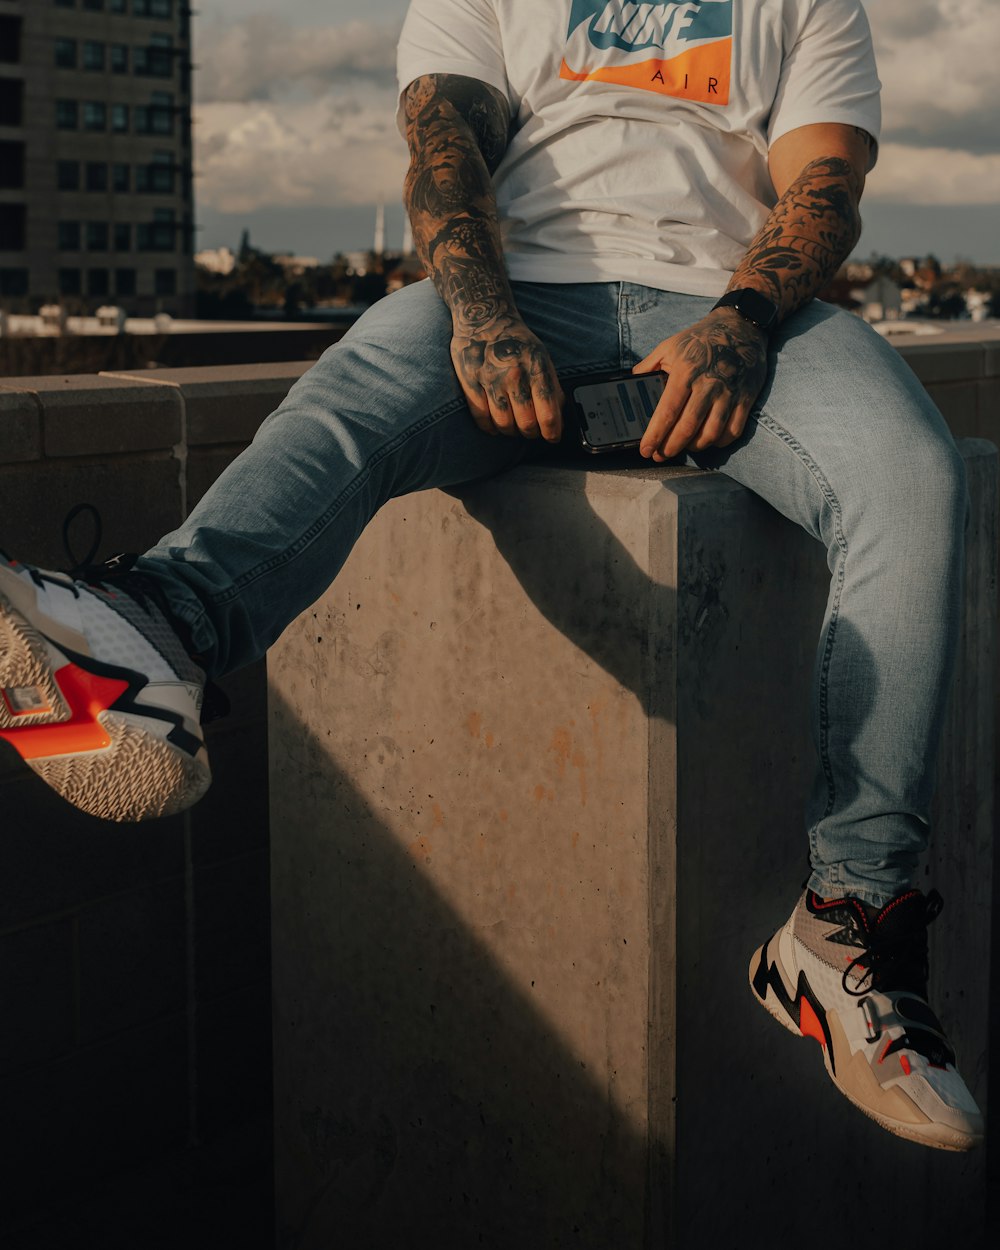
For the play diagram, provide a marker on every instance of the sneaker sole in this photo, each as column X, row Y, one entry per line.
column 838, row 1055
column 57, row 711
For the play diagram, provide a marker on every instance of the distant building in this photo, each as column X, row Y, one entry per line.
column 96, row 199
column 880, row 300
column 295, row 266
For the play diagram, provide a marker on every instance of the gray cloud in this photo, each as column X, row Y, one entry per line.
column 263, row 57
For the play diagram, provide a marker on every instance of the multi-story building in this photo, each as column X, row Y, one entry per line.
column 96, row 202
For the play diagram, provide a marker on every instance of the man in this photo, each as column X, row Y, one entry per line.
column 596, row 185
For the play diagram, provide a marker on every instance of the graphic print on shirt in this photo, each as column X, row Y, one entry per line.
column 680, row 48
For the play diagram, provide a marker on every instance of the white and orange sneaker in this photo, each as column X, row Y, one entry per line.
column 97, row 694
column 854, row 977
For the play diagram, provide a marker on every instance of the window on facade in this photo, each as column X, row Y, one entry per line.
column 10, row 39
column 97, row 282
column 97, row 236
column 65, row 4
column 93, row 4
column 157, row 60
column 93, row 55
column 68, row 175
column 118, row 6
column 13, row 282
column 66, row 54
column 124, row 281
column 157, row 236
column 120, row 179
column 95, row 115
column 119, row 58
column 11, row 101
column 97, row 176
column 69, row 236
column 119, row 118
column 69, row 282
column 11, row 164
column 12, row 227
column 153, row 8
column 123, row 236
column 67, row 114
column 165, row 282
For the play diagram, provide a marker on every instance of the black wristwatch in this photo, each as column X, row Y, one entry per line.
column 752, row 307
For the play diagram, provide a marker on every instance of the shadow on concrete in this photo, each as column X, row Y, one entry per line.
column 442, row 1108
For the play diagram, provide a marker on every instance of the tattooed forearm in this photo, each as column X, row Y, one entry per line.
column 457, row 132
column 807, row 236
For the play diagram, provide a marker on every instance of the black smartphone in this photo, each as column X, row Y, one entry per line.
column 612, row 410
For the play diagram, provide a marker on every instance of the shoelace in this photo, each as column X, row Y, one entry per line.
column 896, row 960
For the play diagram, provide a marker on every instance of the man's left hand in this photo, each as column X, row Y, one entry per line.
column 717, row 369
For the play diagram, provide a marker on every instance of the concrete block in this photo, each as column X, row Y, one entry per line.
column 54, row 857
column 36, row 973
column 92, row 415
column 231, row 925
column 988, row 408
column 226, row 404
column 103, row 1109
column 232, row 819
column 20, row 427
column 537, row 769
column 958, row 404
column 132, row 966
column 945, row 362
column 139, row 500
column 234, row 1061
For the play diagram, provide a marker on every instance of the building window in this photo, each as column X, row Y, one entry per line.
column 66, row 115
column 123, row 236
column 97, row 236
column 69, row 236
column 96, row 5
column 13, row 282
column 154, row 119
column 124, row 281
column 65, row 54
column 93, row 55
column 11, row 164
column 97, row 282
column 157, row 177
column 165, row 282
column 153, row 8
column 156, row 236
column 118, row 6
column 120, row 180
column 69, row 282
column 68, row 175
column 10, row 40
column 97, row 176
column 95, row 115
column 65, row 4
column 119, row 118
column 11, row 101
column 119, row 58
column 12, row 220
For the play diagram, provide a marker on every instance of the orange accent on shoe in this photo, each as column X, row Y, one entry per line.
column 885, row 1051
column 87, row 695
column 904, row 1063
column 809, row 1024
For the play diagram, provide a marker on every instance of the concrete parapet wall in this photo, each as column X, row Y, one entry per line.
column 133, row 961
column 538, row 763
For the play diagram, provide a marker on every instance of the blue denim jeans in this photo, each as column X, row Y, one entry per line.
column 843, row 440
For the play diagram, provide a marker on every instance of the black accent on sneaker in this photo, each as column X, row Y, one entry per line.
column 933, row 1048
column 767, row 976
column 126, row 701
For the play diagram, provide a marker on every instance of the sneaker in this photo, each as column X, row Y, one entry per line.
column 97, row 694
column 854, row 977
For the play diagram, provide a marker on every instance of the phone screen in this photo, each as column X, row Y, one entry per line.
column 614, row 412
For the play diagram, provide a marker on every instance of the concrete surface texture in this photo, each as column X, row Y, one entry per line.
column 537, row 769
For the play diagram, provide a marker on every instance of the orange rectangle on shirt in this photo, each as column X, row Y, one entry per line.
column 700, row 74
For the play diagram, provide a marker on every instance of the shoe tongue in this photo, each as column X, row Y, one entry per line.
column 900, row 916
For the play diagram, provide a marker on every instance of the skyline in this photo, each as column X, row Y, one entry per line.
column 309, row 97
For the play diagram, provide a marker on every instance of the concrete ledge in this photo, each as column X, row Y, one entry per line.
column 87, row 415
column 20, row 427
column 537, row 769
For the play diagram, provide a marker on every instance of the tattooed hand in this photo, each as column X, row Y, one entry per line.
column 717, row 369
column 508, row 378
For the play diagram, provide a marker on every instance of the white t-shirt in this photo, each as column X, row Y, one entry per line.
column 641, row 131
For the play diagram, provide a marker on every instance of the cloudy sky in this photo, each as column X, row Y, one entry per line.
column 295, row 138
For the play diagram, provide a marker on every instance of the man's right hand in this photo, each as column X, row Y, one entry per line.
column 509, row 379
